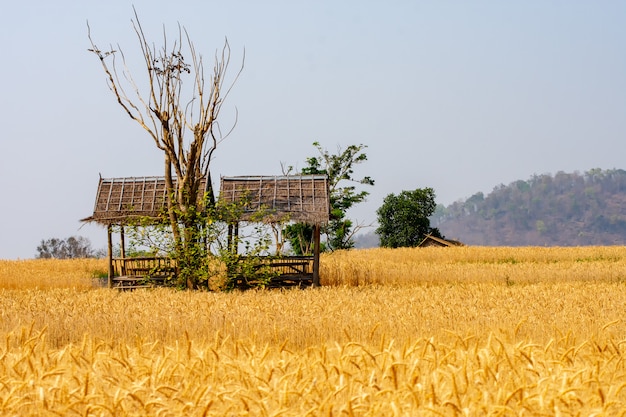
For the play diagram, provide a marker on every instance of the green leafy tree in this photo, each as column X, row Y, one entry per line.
column 343, row 195
column 403, row 219
column 300, row 237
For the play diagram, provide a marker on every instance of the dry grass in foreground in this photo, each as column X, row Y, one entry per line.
column 226, row 377
column 473, row 331
column 534, row 313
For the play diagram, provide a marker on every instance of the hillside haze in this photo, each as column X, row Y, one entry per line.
column 546, row 210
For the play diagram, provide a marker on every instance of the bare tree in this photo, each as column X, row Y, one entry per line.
column 182, row 123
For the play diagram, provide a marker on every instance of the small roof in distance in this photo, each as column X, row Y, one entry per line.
column 431, row 240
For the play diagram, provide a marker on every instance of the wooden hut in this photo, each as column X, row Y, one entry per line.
column 431, row 240
column 124, row 201
column 297, row 198
column 131, row 200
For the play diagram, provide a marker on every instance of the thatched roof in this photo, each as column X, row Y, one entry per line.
column 301, row 198
column 124, row 200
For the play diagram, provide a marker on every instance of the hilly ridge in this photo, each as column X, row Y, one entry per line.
column 565, row 209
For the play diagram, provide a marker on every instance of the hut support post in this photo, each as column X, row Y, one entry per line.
column 233, row 234
column 230, row 237
column 316, row 255
column 122, row 243
column 123, row 250
column 110, row 256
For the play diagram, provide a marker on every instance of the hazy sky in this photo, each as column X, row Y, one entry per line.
column 459, row 96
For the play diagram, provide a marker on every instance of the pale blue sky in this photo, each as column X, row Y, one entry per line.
column 456, row 95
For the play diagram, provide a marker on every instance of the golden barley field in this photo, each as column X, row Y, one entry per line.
column 468, row 331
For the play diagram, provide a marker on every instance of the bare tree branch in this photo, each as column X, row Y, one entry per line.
column 182, row 122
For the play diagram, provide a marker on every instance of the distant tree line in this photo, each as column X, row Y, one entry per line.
column 69, row 248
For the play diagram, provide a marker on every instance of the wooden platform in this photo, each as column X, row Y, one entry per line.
column 132, row 282
column 280, row 281
column 290, row 271
column 147, row 272
column 143, row 272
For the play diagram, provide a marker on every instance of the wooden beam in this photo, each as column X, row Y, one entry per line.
column 316, row 255
column 233, row 237
column 123, row 250
column 229, row 239
column 110, row 256
column 122, row 243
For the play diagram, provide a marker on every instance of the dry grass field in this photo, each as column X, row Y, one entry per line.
column 436, row 332
column 50, row 273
